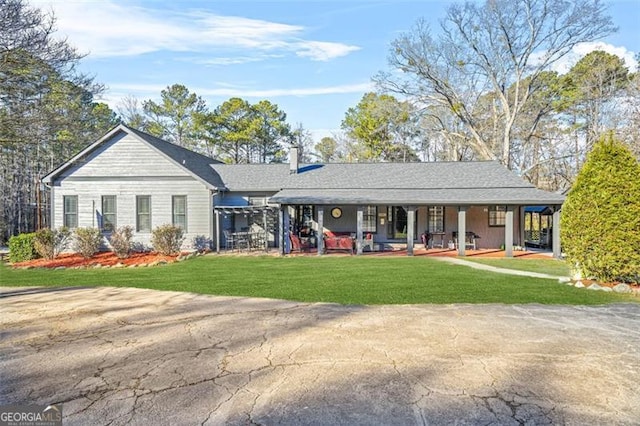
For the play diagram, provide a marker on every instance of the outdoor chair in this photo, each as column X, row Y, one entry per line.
column 299, row 245
column 229, row 240
column 469, row 240
column 367, row 241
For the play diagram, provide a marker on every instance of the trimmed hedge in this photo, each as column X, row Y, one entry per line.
column 50, row 243
column 121, row 243
column 87, row 241
column 600, row 224
column 167, row 239
column 21, row 248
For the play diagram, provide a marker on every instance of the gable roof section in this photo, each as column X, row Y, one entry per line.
column 198, row 165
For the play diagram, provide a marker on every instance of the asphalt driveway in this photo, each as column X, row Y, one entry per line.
column 130, row 356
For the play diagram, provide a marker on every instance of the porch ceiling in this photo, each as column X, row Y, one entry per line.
column 443, row 196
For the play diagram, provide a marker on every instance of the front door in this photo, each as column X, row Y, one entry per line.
column 397, row 223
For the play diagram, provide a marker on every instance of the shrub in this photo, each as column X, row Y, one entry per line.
column 201, row 243
column 87, row 241
column 120, row 240
column 167, row 239
column 600, row 224
column 49, row 243
column 21, row 248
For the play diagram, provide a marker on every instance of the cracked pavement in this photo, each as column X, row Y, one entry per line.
column 116, row 356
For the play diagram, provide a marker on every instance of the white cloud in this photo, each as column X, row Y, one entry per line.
column 108, row 28
column 323, row 51
column 579, row 51
column 118, row 91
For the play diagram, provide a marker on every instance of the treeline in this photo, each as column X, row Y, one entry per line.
column 47, row 110
column 235, row 132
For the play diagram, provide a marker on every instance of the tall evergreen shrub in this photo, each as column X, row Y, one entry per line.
column 21, row 248
column 600, row 223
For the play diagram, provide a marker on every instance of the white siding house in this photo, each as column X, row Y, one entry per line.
column 129, row 178
column 132, row 178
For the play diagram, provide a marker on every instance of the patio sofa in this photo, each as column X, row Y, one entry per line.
column 345, row 241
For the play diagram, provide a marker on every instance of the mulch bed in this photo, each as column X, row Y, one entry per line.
column 74, row 260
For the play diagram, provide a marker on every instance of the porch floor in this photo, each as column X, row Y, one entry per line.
column 417, row 251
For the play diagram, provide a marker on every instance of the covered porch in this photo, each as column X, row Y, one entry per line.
column 408, row 228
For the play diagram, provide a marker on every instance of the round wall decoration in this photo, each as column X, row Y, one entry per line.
column 336, row 212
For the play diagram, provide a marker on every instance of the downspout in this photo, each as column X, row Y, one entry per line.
column 51, row 205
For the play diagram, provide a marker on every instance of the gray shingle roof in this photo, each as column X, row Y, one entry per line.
column 198, row 164
column 479, row 182
column 474, row 174
column 449, row 196
column 253, row 177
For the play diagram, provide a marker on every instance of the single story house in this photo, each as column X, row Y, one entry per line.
column 128, row 177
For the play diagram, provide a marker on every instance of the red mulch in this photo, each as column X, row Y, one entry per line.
column 73, row 260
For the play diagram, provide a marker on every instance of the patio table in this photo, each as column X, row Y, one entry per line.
column 249, row 239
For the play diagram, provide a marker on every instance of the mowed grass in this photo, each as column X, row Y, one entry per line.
column 344, row 280
column 544, row 266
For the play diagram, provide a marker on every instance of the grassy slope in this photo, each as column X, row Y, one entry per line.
column 346, row 280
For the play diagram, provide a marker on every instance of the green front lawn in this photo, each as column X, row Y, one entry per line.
column 346, row 280
column 544, row 266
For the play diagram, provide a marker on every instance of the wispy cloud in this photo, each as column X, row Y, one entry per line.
column 117, row 91
column 109, row 28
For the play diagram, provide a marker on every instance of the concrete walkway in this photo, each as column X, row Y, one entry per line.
column 123, row 356
column 458, row 261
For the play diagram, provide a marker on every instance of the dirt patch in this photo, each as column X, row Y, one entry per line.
column 74, row 260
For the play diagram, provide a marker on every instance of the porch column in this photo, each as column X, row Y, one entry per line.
column 281, row 230
column 462, row 229
column 359, row 222
column 508, row 232
column 287, row 230
column 320, row 232
column 555, row 242
column 217, row 231
column 264, row 227
column 411, row 220
column 521, row 225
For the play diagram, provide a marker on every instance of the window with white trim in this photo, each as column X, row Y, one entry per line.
column 369, row 219
column 497, row 215
column 179, row 209
column 435, row 219
column 70, row 211
column 109, row 213
column 143, row 213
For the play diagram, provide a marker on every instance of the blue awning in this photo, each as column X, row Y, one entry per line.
column 545, row 210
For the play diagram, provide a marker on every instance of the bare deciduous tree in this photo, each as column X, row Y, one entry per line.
column 480, row 58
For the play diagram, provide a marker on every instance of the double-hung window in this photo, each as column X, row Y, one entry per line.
column 497, row 215
column 70, row 213
column 179, row 211
column 109, row 213
column 369, row 218
column 143, row 213
column 436, row 219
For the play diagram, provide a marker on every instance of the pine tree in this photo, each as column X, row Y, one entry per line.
column 600, row 225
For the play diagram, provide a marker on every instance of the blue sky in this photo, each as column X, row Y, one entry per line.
column 314, row 59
